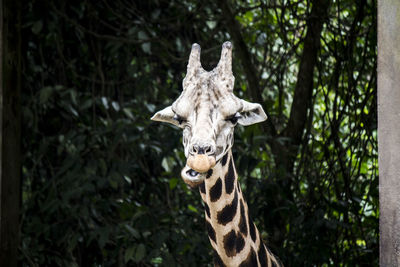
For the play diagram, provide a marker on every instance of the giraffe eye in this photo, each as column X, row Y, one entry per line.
column 178, row 118
column 234, row 118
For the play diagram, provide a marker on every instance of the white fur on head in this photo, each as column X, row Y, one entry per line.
column 207, row 110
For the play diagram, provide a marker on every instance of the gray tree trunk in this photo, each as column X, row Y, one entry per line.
column 10, row 130
column 389, row 130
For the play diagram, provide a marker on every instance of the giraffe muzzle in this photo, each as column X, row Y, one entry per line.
column 192, row 177
column 196, row 169
column 200, row 163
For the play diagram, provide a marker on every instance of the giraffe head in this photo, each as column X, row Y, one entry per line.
column 208, row 111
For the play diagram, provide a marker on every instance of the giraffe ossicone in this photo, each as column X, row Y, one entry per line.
column 208, row 111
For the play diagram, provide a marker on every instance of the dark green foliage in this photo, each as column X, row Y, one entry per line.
column 101, row 182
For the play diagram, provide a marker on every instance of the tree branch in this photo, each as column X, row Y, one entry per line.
column 304, row 87
column 245, row 58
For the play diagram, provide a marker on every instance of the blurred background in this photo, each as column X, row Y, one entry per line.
column 101, row 183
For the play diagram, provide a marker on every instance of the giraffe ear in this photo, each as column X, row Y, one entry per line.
column 251, row 113
column 165, row 115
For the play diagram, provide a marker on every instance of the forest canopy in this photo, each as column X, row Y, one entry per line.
column 101, row 183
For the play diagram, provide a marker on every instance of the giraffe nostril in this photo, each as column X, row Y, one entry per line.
column 205, row 150
column 195, row 149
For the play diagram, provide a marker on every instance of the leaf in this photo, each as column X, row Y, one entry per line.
column 150, row 107
column 172, row 183
column 192, row 208
column 105, row 102
column 133, row 231
column 165, row 165
column 140, row 252
column 45, row 94
column 103, row 236
column 249, row 15
column 157, row 260
column 128, row 113
column 132, row 30
column 156, row 13
column 211, row 24
column 146, row 47
column 73, row 96
column 129, row 254
column 129, row 180
column 73, row 111
column 113, row 184
column 115, row 105
column 262, row 38
column 37, row 27
column 142, row 35
column 86, row 104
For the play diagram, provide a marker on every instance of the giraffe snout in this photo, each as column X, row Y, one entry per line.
column 201, row 163
column 201, row 157
column 202, row 149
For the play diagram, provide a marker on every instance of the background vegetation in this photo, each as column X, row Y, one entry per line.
column 101, row 184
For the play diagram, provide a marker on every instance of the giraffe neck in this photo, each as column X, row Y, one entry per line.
column 233, row 236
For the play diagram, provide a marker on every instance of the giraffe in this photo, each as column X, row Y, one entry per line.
column 208, row 111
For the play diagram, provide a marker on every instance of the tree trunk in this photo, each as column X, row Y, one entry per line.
column 301, row 104
column 285, row 152
column 10, row 134
column 389, row 130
